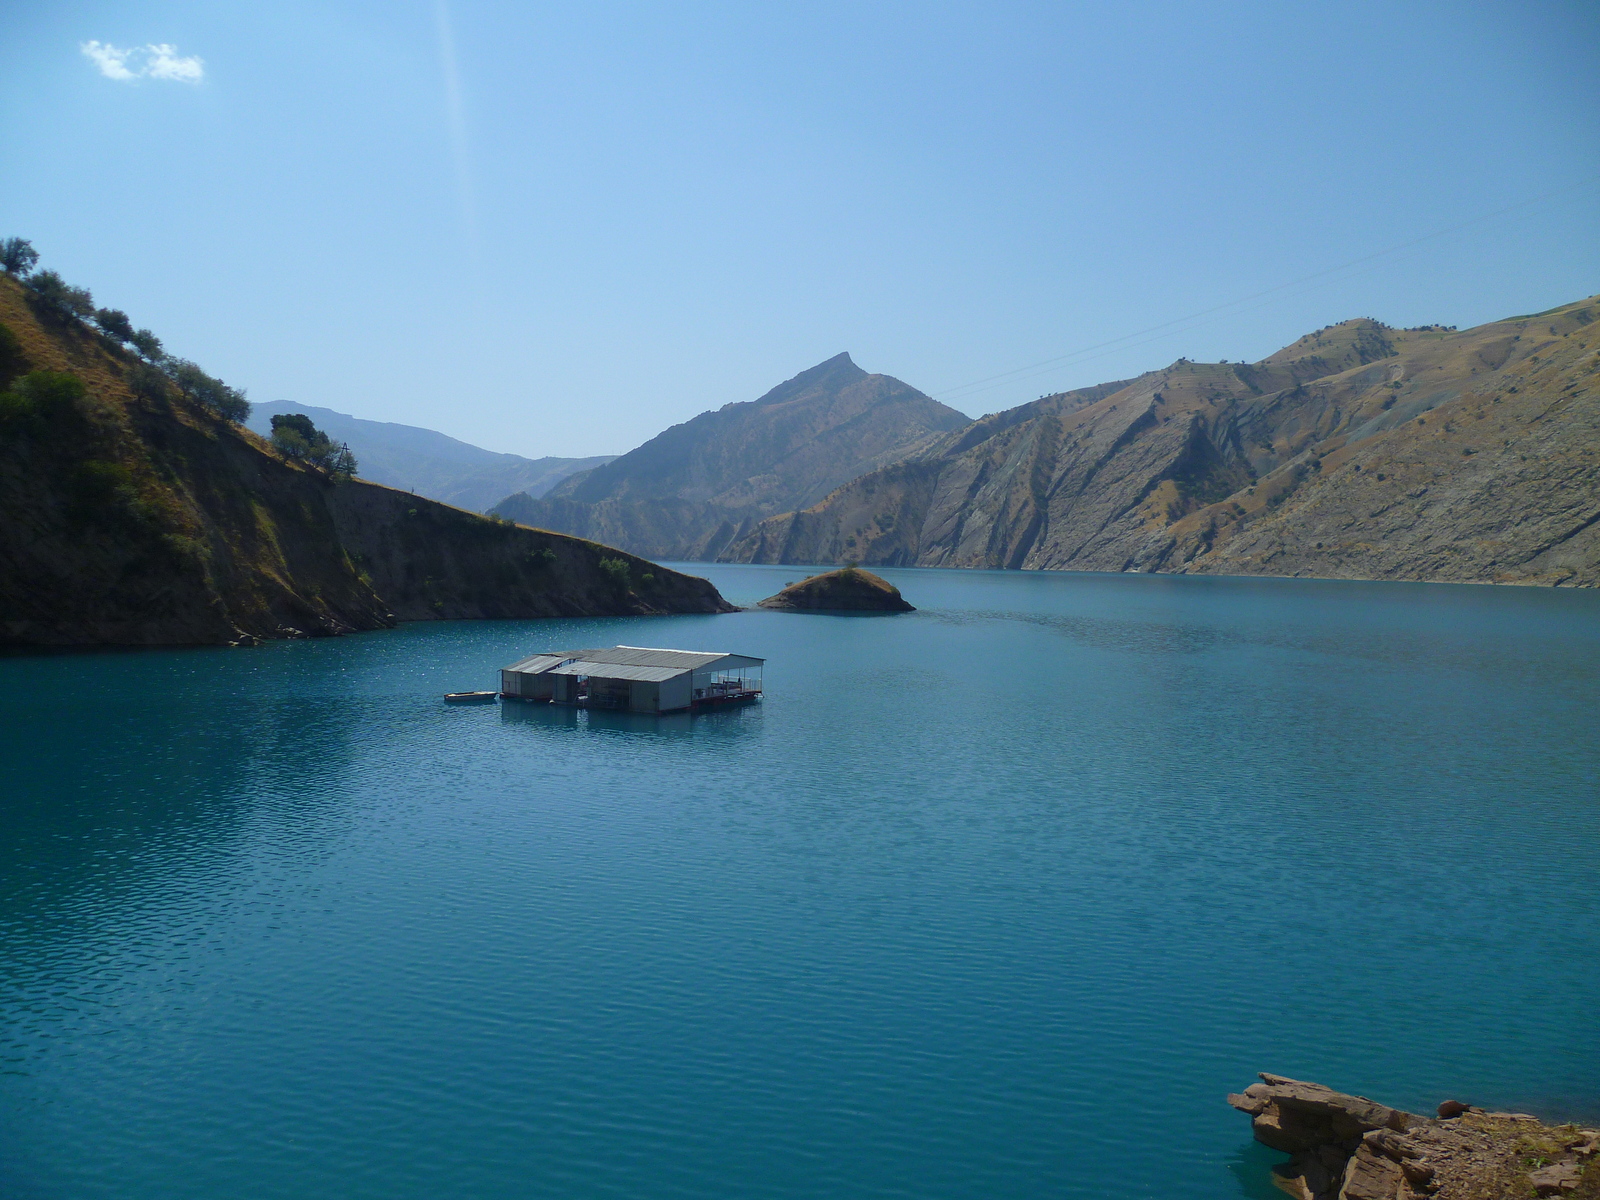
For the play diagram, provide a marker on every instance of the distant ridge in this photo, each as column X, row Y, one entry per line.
column 693, row 489
column 430, row 463
column 1359, row 452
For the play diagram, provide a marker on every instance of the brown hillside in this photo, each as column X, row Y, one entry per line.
column 692, row 489
column 1358, row 452
column 136, row 517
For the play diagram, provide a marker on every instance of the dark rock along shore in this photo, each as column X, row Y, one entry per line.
column 1347, row 1147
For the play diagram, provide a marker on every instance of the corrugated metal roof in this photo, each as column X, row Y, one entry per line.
column 599, row 670
column 649, row 656
column 633, row 656
column 534, row 664
column 729, row 662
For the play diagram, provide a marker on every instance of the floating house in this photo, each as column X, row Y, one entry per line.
column 634, row 678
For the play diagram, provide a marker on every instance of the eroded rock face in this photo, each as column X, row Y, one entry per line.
column 1347, row 1147
column 1370, row 1175
column 1294, row 1116
column 848, row 590
column 1359, row 452
column 213, row 538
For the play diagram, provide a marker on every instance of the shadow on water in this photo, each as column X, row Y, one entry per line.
column 722, row 723
column 847, row 613
column 1251, row 1165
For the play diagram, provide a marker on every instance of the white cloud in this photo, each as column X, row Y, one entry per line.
column 113, row 63
column 155, row 61
column 165, row 64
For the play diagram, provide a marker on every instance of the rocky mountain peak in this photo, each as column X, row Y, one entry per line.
column 832, row 374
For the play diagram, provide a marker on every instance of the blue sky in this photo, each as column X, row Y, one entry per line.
column 557, row 229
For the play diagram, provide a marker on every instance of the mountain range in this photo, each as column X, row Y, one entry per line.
column 690, row 492
column 429, row 463
column 1360, row 451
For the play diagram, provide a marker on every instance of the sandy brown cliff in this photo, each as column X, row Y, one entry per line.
column 132, row 516
column 1360, row 451
column 694, row 488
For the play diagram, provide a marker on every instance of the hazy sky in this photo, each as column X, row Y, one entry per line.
column 557, row 229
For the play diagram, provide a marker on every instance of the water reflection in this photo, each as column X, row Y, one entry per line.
column 107, row 796
column 721, row 723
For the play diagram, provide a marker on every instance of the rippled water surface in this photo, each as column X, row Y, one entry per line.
column 993, row 899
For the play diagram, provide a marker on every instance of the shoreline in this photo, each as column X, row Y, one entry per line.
column 1347, row 1147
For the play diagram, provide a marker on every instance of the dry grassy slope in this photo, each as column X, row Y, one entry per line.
column 1215, row 467
column 209, row 537
column 884, row 516
column 668, row 527
column 1496, row 478
column 207, row 534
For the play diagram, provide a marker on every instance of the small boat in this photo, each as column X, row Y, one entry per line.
column 470, row 697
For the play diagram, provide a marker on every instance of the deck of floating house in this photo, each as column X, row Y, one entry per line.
column 634, row 679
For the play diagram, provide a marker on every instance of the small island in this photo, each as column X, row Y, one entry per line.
column 849, row 589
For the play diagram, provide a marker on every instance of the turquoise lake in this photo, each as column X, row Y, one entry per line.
column 994, row 899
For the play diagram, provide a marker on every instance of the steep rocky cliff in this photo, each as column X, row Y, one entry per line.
column 133, row 516
column 1360, row 451
column 1347, row 1147
column 430, row 560
column 693, row 489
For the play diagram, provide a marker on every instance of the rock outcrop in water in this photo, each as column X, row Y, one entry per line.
column 1347, row 1147
column 846, row 590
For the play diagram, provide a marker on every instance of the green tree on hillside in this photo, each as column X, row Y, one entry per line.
column 147, row 344
column 296, row 437
column 58, row 298
column 55, row 298
column 208, row 391
column 39, row 399
column 114, row 324
column 341, row 463
column 146, row 382
column 17, row 257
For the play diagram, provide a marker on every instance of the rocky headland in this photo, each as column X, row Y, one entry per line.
column 847, row 590
column 135, row 516
column 1346, row 1147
